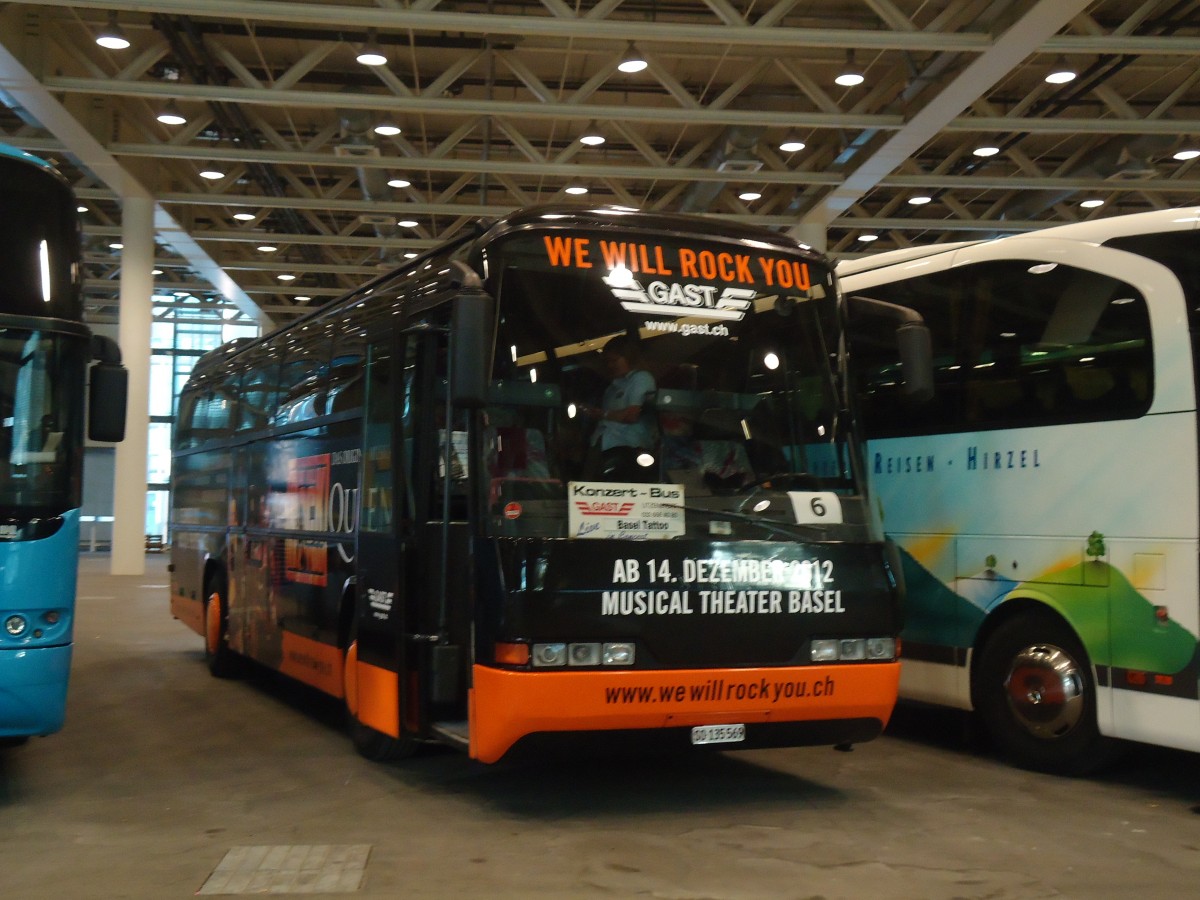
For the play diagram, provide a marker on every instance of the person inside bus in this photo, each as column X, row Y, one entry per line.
column 622, row 446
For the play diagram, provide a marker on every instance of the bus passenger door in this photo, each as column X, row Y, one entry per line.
column 436, row 464
column 376, row 657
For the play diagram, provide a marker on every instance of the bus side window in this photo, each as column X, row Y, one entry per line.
column 346, row 367
column 302, row 377
column 1015, row 343
column 204, row 413
column 379, row 468
column 259, row 392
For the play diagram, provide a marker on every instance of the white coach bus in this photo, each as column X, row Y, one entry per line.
column 1046, row 500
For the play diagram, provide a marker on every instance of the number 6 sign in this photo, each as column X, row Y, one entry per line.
column 816, row 507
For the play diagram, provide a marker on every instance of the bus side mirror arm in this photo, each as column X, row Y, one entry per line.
column 912, row 341
column 108, row 391
column 471, row 347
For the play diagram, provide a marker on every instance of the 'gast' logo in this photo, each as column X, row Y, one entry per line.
column 703, row 300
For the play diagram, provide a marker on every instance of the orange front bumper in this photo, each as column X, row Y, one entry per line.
column 509, row 705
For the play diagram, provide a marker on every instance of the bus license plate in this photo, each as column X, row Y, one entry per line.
column 718, row 734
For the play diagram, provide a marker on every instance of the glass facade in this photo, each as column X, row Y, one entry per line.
column 175, row 345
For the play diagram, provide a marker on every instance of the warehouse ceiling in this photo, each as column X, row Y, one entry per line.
column 488, row 101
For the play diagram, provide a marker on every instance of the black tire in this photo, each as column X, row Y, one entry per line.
column 1036, row 695
column 370, row 743
column 377, row 746
column 221, row 660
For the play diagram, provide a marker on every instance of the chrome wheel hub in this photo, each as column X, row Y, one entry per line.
column 1045, row 689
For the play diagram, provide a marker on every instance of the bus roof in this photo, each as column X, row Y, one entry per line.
column 21, row 156
column 602, row 217
column 892, row 257
column 1095, row 231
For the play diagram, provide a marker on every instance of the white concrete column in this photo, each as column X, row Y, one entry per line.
column 129, row 502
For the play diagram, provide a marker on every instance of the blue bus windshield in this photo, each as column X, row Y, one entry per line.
column 41, row 390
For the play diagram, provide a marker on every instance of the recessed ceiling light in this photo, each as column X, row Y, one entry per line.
column 286, row 277
column 577, row 189
column 1061, row 73
column 302, row 299
column 1091, row 204
column 81, row 209
column 1185, row 155
column 920, row 201
column 792, row 146
column 267, row 248
column 407, row 223
column 867, row 238
column 116, row 245
column 986, row 150
column 211, row 173
column 399, row 183
column 243, row 216
column 387, row 129
column 749, row 195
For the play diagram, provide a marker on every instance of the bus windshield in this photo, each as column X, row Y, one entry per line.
column 731, row 347
column 41, row 384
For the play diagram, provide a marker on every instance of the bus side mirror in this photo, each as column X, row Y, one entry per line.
column 916, row 361
column 472, row 322
column 912, row 341
column 108, row 390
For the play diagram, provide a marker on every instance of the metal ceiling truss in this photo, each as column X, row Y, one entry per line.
column 492, row 97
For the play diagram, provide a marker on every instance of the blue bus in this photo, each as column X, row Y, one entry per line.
column 46, row 352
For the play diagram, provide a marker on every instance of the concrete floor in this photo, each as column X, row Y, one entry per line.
column 167, row 783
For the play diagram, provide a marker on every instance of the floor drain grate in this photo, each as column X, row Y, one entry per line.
column 296, row 869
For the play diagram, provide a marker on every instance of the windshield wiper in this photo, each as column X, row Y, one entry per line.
column 795, row 530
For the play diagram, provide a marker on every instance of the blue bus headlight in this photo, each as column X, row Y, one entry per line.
column 15, row 625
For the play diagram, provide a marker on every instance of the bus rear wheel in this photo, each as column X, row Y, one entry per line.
column 222, row 661
column 1035, row 693
column 369, row 742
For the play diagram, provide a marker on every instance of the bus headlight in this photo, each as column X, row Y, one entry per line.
column 549, row 654
column 824, row 650
column 583, row 655
column 15, row 625
column 881, row 648
column 852, row 648
column 877, row 649
column 617, row 654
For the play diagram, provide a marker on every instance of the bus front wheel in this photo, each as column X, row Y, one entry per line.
column 1036, row 695
column 222, row 661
